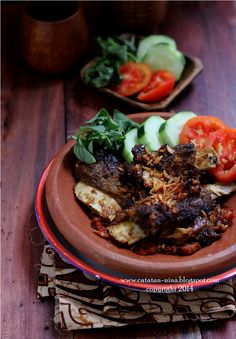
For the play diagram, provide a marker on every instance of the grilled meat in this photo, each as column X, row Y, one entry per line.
column 106, row 175
column 185, row 241
column 165, row 207
column 177, row 162
column 153, row 215
column 180, row 235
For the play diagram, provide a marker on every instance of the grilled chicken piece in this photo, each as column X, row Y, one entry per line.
column 98, row 201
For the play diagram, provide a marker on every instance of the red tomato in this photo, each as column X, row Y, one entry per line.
column 161, row 85
column 224, row 142
column 197, row 130
column 134, row 77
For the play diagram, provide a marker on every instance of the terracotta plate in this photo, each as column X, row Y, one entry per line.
column 73, row 256
column 192, row 68
column 74, row 225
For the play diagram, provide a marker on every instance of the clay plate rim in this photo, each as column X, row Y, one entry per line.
column 74, row 225
column 193, row 68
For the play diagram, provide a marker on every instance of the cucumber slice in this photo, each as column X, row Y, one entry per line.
column 146, row 43
column 171, row 129
column 129, row 142
column 148, row 133
column 165, row 57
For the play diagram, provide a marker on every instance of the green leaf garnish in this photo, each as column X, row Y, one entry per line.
column 114, row 51
column 125, row 123
column 102, row 131
column 83, row 154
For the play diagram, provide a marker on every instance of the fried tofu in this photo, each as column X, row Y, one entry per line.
column 126, row 232
column 98, row 201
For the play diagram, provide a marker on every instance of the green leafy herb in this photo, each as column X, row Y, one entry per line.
column 102, row 131
column 114, row 51
column 82, row 153
column 125, row 123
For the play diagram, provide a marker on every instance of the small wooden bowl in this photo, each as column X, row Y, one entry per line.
column 74, row 225
column 192, row 69
column 138, row 16
column 54, row 36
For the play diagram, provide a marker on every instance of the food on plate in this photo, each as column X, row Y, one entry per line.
column 171, row 129
column 165, row 57
column 197, row 129
column 152, row 197
column 102, row 131
column 135, row 76
column 224, row 143
column 148, row 133
column 129, row 142
column 219, row 189
column 155, row 132
column 159, row 87
column 126, row 232
column 152, row 40
column 205, row 132
column 149, row 68
column 100, row 202
column 206, row 158
column 114, row 51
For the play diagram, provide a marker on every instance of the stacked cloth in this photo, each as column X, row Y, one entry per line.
column 83, row 302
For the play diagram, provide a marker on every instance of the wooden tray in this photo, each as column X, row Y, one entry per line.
column 193, row 68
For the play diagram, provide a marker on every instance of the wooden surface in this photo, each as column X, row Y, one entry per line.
column 39, row 112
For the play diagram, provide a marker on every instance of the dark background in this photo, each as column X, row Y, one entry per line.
column 40, row 111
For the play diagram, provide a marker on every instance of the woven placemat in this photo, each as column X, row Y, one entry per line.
column 83, row 302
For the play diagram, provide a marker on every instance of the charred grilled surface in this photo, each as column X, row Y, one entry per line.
column 162, row 193
column 180, row 163
column 106, row 174
column 180, row 235
column 203, row 232
column 176, row 209
column 154, row 216
column 176, row 162
column 177, row 195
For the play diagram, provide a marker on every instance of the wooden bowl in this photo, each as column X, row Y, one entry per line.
column 193, row 68
column 138, row 16
column 74, row 225
column 54, row 36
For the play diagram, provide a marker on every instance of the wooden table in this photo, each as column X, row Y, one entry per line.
column 39, row 112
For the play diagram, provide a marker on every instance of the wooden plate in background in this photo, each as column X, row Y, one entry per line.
column 193, row 68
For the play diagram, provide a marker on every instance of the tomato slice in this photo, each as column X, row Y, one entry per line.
column 206, row 131
column 160, row 86
column 197, row 130
column 135, row 76
column 224, row 142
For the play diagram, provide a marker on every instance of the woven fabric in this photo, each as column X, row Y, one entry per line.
column 82, row 301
